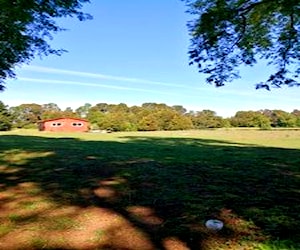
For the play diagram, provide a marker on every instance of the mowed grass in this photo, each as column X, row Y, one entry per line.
column 150, row 190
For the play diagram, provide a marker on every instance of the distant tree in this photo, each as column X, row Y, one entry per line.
column 180, row 109
column 296, row 114
column 250, row 119
column 169, row 119
column 262, row 122
column 82, row 111
column 226, row 123
column 68, row 112
column 280, row 118
column 50, row 107
column 95, row 117
column 26, row 25
column 118, row 108
column 102, row 107
column 118, row 121
column 206, row 119
column 230, row 33
column 283, row 119
column 26, row 115
column 149, row 123
column 165, row 118
column 155, row 106
column 140, row 112
column 135, row 109
column 5, row 118
column 180, row 122
column 51, row 111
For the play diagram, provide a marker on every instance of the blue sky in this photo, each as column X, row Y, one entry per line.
column 135, row 52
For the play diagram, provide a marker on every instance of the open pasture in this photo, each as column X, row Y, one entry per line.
column 150, row 190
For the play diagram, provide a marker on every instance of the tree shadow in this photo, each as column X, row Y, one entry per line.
column 165, row 187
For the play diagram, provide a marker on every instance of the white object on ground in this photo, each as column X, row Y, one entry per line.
column 214, row 224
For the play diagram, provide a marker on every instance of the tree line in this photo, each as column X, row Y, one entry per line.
column 147, row 117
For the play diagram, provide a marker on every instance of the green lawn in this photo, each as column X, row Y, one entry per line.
column 164, row 184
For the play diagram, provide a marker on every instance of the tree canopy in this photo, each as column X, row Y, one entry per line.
column 230, row 33
column 26, row 27
column 5, row 118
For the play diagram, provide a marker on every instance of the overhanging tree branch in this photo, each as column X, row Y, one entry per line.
column 25, row 27
column 227, row 34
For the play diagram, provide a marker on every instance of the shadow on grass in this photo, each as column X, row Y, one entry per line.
column 166, row 187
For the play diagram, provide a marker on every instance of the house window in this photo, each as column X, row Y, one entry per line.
column 77, row 124
column 56, row 124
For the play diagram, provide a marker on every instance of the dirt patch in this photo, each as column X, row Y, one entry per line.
column 85, row 228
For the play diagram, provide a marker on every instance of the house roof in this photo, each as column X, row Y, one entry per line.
column 69, row 118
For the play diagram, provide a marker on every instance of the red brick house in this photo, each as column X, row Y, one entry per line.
column 64, row 125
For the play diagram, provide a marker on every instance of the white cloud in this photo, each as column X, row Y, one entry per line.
column 87, row 84
column 226, row 95
column 99, row 76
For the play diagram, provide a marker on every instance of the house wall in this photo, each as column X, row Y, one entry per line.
column 65, row 125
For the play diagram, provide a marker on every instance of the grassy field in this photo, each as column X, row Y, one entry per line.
column 150, row 190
